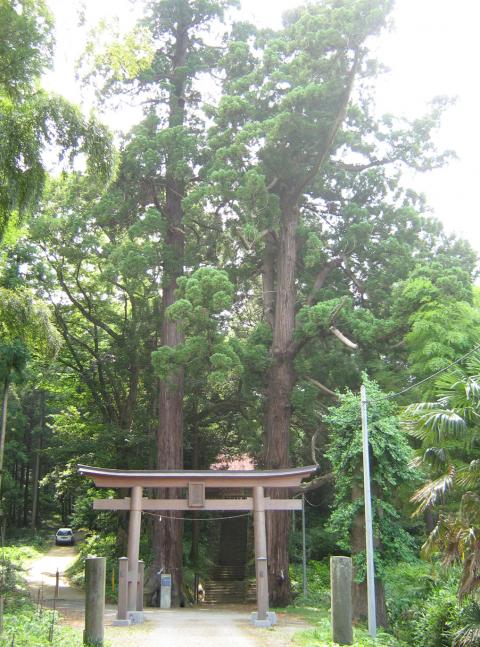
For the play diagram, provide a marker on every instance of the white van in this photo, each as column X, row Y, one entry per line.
column 64, row 536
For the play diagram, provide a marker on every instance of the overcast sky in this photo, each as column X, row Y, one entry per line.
column 431, row 51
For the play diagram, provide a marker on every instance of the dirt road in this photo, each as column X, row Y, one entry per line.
column 197, row 627
column 41, row 579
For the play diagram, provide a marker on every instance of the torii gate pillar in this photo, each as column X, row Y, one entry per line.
column 262, row 617
column 133, row 554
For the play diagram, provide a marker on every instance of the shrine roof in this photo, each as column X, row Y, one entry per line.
column 287, row 477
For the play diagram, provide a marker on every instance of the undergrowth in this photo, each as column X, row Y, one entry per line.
column 25, row 625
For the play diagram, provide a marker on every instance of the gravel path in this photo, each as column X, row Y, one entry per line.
column 204, row 627
column 198, row 627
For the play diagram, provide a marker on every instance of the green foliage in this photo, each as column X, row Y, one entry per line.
column 433, row 623
column 436, row 299
column 321, row 636
column 24, row 625
column 390, row 456
column 407, row 586
column 201, row 309
column 26, row 321
column 447, row 430
column 318, row 584
column 31, row 120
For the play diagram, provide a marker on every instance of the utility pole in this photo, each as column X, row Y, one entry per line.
column 372, row 619
column 304, row 549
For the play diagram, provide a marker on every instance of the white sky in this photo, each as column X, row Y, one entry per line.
column 432, row 51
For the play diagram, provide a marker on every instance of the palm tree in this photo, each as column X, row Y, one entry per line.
column 448, row 430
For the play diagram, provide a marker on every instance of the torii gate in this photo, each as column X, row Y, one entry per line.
column 196, row 482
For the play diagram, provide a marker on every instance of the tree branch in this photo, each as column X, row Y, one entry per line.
column 356, row 281
column 315, row 484
column 323, row 388
column 86, row 313
column 321, row 278
column 342, row 338
column 337, row 122
column 358, row 168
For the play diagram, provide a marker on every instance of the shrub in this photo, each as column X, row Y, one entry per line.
column 318, row 583
column 407, row 585
column 432, row 627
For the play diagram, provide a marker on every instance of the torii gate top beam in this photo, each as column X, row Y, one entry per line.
column 286, row 478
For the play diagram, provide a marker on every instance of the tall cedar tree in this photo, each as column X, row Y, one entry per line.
column 285, row 133
column 168, row 161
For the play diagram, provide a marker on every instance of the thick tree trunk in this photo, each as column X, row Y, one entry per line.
column 168, row 532
column 167, row 540
column 195, row 516
column 268, row 279
column 281, row 379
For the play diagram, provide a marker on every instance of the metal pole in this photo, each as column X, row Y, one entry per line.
column 304, row 549
column 372, row 619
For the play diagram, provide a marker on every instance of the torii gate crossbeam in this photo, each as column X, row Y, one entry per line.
column 196, row 481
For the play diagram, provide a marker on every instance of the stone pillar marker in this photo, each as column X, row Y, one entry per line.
column 134, row 525
column 141, row 578
column 262, row 617
column 95, row 569
column 341, row 599
column 122, row 613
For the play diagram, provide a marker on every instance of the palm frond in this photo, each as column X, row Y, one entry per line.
column 431, row 492
column 469, row 634
column 431, row 421
column 444, row 539
column 469, row 476
column 470, row 580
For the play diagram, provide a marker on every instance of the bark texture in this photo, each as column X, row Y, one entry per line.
column 281, row 377
column 278, row 413
column 167, row 539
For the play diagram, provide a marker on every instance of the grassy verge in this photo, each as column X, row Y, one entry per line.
column 23, row 624
column 25, row 627
column 23, row 550
column 321, row 633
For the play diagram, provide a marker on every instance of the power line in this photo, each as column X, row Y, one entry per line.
column 430, row 377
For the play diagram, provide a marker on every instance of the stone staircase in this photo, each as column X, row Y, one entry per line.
column 229, row 584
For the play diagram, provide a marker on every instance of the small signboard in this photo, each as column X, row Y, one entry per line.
column 165, row 591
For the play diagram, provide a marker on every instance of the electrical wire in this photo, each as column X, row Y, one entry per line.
column 430, row 377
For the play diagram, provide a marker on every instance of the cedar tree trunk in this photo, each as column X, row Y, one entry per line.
column 167, row 539
column 281, row 379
